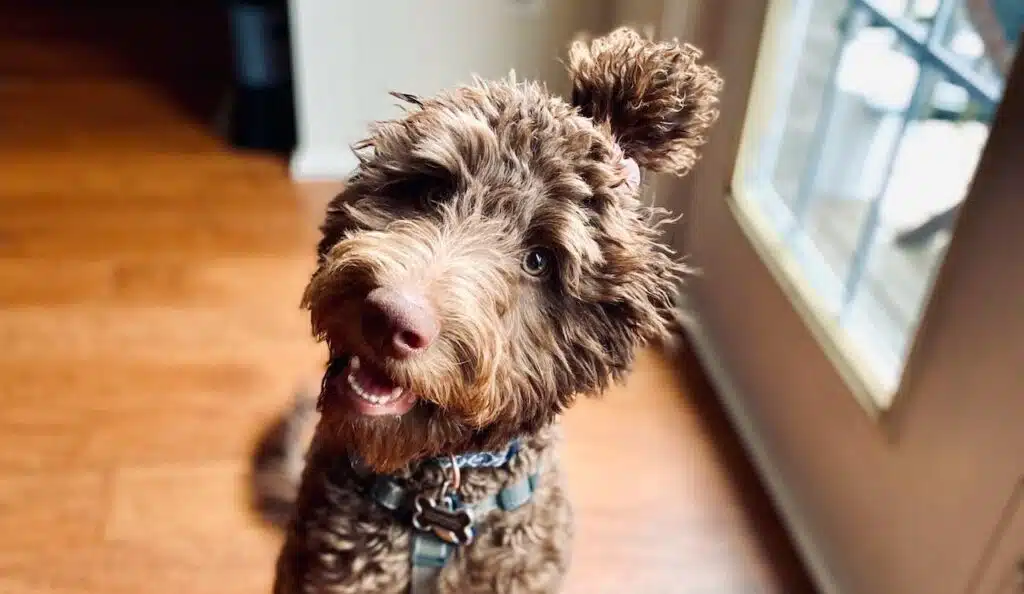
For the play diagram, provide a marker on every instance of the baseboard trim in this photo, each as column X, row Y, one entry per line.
column 754, row 444
column 313, row 163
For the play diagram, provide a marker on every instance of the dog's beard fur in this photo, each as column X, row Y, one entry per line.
column 448, row 200
column 386, row 443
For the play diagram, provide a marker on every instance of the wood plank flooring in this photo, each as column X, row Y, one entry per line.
column 149, row 328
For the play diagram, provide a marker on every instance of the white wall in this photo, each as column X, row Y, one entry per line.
column 349, row 54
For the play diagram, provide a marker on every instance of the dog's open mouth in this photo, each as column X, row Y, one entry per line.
column 368, row 390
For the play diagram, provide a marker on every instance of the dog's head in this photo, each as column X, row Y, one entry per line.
column 490, row 259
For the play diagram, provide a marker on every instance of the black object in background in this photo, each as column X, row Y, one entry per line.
column 262, row 111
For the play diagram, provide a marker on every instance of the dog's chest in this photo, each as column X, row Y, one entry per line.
column 353, row 546
column 348, row 541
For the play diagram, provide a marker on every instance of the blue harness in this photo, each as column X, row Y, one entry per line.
column 442, row 523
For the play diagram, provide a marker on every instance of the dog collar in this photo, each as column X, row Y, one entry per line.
column 480, row 459
column 492, row 459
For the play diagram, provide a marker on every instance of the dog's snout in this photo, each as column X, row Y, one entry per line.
column 398, row 323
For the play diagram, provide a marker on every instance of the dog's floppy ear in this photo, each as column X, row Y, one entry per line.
column 656, row 99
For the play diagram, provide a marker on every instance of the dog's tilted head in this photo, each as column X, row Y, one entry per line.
column 490, row 260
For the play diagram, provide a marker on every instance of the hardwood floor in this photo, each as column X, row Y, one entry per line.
column 149, row 328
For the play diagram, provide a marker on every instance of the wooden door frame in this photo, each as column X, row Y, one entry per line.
column 940, row 462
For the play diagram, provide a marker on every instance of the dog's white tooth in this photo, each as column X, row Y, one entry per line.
column 356, row 386
column 396, row 392
column 354, row 364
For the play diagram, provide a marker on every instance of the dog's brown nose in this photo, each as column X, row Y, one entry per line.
column 398, row 323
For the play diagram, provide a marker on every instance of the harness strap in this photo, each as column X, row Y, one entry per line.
column 388, row 493
column 429, row 554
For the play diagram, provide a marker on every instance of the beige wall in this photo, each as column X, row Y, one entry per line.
column 350, row 54
column 644, row 15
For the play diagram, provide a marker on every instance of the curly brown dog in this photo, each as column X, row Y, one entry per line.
column 488, row 262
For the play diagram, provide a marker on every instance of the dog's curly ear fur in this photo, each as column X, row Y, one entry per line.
column 656, row 99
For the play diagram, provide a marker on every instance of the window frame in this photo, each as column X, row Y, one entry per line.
column 803, row 275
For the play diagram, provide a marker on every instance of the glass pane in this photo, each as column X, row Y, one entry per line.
column 876, row 120
column 983, row 34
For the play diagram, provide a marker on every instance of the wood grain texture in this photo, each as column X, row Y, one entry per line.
column 149, row 283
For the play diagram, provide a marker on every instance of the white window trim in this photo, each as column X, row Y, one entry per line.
column 859, row 376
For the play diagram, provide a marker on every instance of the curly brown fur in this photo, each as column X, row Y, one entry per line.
column 657, row 99
column 508, row 220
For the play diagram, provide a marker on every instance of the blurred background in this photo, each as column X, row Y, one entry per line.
column 846, row 413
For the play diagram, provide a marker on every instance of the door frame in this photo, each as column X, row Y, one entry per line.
column 861, row 492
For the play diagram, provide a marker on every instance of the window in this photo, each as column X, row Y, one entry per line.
column 868, row 120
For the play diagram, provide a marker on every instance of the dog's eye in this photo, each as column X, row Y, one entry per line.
column 537, row 261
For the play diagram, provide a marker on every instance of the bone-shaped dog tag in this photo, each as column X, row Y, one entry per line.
column 450, row 525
